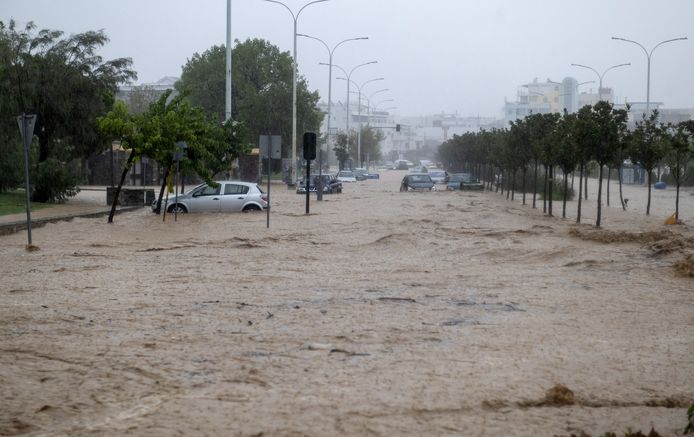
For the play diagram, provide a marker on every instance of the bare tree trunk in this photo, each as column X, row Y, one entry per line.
column 161, row 191
column 120, row 185
column 544, row 190
column 535, row 185
column 677, row 202
column 585, row 177
column 513, row 185
column 550, row 189
column 597, row 221
column 648, row 205
column 609, row 177
column 580, row 193
column 621, row 196
column 566, row 193
column 525, row 171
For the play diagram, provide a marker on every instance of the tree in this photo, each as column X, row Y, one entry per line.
column 610, row 126
column 567, row 156
column 540, row 127
column 370, row 144
column 586, row 132
column 520, row 140
column 647, row 148
column 679, row 152
column 261, row 92
column 210, row 146
column 68, row 86
column 341, row 149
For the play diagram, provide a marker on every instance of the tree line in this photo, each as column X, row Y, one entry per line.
column 526, row 156
column 63, row 80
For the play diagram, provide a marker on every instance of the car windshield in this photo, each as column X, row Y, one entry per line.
column 437, row 174
column 346, row 174
column 420, row 178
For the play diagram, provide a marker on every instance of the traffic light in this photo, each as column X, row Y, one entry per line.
column 397, row 128
column 309, row 146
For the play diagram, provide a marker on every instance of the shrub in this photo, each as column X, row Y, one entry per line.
column 55, row 181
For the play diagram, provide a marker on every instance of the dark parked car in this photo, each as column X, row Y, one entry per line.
column 330, row 184
column 463, row 181
column 416, row 182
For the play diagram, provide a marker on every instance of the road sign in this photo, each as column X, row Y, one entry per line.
column 271, row 144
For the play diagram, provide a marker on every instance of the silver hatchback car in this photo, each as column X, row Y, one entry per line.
column 227, row 196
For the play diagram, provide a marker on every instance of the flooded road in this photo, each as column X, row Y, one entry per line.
column 379, row 313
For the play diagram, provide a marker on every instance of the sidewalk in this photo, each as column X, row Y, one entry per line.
column 89, row 202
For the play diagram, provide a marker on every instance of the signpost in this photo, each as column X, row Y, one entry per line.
column 270, row 148
column 309, row 155
column 26, row 127
column 181, row 146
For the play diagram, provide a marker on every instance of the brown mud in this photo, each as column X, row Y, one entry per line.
column 381, row 313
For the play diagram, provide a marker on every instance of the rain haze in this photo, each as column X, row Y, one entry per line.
column 452, row 56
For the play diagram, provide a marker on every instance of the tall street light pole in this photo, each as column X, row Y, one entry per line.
column 227, row 100
column 600, row 76
column 330, row 71
column 360, row 87
column 295, row 17
column 648, row 75
column 368, row 99
column 349, row 78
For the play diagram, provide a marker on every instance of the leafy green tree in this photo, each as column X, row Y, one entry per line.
column 210, row 146
column 679, row 152
column 567, row 156
column 540, row 127
column 370, row 145
column 68, row 86
column 586, row 132
column 261, row 91
column 610, row 127
column 520, row 141
column 341, row 149
column 647, row 147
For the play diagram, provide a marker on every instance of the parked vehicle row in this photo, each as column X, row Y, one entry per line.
column 330, row 184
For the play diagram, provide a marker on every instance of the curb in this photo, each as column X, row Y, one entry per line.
column 16, row 226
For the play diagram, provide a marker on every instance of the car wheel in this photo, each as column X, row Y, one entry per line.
column 251, row 208
column 177, row 208
column 403, row 188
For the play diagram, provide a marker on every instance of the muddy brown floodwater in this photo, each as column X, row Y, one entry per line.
column 386, row 313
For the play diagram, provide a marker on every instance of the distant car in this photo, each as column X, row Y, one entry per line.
column 416, row 181
column 402, row 164
column 419, row 169
column 463, row 181
column 227, row 196
column 330, row 184
column 373, row 175
column 471, row 183
column 455, row 179
column 360, row 174
column 346, row 176
column 439, row 176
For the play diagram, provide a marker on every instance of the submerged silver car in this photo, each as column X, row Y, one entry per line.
column 227, row 196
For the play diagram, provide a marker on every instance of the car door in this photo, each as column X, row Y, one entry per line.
column 206, row 199
column 234, row 197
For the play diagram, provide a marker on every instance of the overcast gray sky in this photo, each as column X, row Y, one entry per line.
column 453, row 56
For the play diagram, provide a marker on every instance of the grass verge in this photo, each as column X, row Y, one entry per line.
column 14, row 202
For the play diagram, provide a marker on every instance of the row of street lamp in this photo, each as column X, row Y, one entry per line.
column 648, row 74
column 347, row 78
column 348, row 75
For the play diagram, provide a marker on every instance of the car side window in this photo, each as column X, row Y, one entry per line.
column 231, row 189
column 210, row 191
